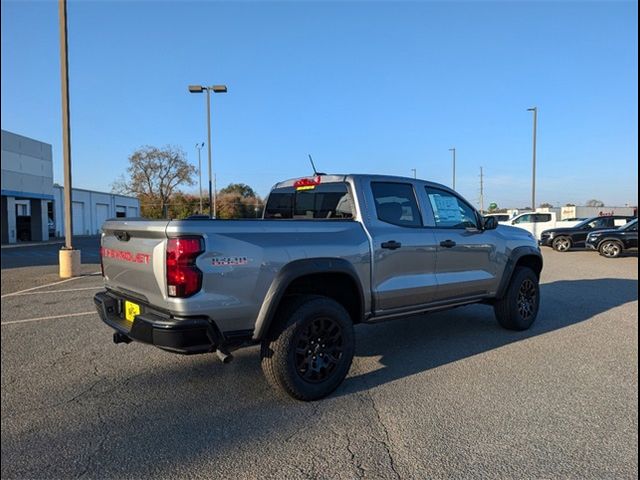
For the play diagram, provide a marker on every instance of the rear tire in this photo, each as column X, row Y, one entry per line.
column 561, row 244
column 518, row 309
column 309, row 349
column 610, row 248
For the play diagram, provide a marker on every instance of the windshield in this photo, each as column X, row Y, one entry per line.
column 631, row 224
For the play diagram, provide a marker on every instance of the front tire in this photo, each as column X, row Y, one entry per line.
column 561, row 244
column 518, row 309
column 610, row 248
column 309, row 350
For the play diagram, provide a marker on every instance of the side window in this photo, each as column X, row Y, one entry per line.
column 522, row 219
column 396, row 203
column 450, row 211
column 541, row 218
column 602, row 222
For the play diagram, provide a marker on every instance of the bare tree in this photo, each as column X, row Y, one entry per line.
column 154, row 175
column 595, row 203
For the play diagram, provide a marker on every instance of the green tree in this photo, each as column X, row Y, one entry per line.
column 183, row 205
column 234, row 205
column 546, row 205
column 595, row 203
column 154, row 175
column 242, row 189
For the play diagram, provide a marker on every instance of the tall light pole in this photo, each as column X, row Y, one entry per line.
column 533, row 177
column 415, row 173
column 199, row 147
column 454, row 166
column 481, row 191
column 214, row 89
column 69, row 259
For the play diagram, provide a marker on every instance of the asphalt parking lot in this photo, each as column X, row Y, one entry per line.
column 449, row 395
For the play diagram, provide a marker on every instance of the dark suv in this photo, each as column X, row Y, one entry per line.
column 611, row 243
column 563, row 239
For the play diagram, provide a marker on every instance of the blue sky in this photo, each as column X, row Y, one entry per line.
column 362, row 86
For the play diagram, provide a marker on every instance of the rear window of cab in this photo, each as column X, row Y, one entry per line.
column 323, row 201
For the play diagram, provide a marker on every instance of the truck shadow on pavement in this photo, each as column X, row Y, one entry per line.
column 152, row 414
column 413, row 345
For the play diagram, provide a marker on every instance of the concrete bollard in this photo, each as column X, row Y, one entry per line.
column 69, row 263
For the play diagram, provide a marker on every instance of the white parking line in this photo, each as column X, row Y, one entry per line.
column 46, row 285
column 53, row 317
column 58, row 291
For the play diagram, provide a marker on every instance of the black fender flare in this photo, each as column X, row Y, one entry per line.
column 292, row 271
column 516, row 254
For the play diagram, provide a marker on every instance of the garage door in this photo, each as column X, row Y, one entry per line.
column 78, row 218
column 102, row 213
column 132, row 212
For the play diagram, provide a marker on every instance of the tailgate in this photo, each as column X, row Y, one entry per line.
column 133, row 254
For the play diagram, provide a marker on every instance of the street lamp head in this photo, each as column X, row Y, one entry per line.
column 452, row 149
column 532, row 109
column 219, row 88
column 196, row 88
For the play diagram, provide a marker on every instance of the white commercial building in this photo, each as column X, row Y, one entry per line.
column 90, row 209
column 32, row 206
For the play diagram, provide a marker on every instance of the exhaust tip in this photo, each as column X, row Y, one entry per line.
column 225, row 357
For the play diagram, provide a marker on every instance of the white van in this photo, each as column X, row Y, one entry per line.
column 537, row 222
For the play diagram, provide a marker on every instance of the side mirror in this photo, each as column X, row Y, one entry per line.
column 489, row 223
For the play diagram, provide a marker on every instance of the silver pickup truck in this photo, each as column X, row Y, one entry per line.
column 331, row 251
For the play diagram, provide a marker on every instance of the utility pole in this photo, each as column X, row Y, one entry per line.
column 454, row 167
column 69, row 259
column 414, row 173
column 533, row 176
column 481, row 191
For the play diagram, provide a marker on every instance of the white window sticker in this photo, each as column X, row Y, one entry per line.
column 448, row 209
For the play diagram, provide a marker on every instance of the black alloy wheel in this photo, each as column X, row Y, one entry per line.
column 319, row 348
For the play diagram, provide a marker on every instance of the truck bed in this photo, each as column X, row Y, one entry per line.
column 240, row 261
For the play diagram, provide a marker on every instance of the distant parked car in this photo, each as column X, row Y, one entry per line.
column 537, row 222
column 564, row 238
column 612, row 243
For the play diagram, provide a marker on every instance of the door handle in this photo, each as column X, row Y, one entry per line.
column 391, row 245
column 447, row 243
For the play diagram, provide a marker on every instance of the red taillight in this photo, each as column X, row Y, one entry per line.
column 183, row 277
column 101, row 262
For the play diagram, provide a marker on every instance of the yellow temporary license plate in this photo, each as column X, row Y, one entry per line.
column 131, row 310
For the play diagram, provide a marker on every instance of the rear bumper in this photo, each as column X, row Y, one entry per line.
column 186, row 335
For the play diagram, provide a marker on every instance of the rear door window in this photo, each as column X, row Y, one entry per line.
column 396, row 203
column 541, row 217
column 324, row 201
